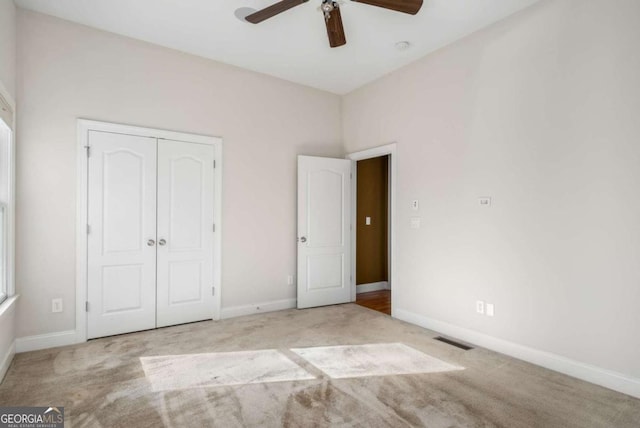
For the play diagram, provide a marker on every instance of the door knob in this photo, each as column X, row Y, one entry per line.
column 151, row 242
column 303, row 239
column 162, row 242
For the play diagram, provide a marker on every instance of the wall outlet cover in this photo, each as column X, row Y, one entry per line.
column 480, row 307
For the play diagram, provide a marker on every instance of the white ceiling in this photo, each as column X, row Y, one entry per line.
column 292, row 45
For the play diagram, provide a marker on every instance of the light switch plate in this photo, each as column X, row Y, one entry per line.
column 490, row 309
column 367, row 221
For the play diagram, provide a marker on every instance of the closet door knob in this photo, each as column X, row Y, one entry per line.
column 151, row 242
column 162, row 242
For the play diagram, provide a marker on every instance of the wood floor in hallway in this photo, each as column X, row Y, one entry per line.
column 377, row 300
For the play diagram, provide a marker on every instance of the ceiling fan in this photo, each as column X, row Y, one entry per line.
column 331, row 11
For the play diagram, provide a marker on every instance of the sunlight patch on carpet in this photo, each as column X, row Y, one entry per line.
column 379, row 359
column 171, row 372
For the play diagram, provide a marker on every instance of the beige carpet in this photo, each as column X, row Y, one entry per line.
column 103, row 384
column 171, row 372
column 377, row 359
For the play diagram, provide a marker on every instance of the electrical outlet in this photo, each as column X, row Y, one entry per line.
column 290, row 280
column 484, row 201
column 490, row 309
column 415, row 205
column 480, row 307
column 56, row 305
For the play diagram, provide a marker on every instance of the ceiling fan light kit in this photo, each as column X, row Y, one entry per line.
column 332, row 16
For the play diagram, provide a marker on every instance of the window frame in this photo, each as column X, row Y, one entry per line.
column 8, row 259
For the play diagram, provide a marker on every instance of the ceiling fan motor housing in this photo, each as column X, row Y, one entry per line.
column 327, row 7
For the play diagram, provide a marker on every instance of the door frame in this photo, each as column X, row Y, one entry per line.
column 82, row 206
column 375, row 152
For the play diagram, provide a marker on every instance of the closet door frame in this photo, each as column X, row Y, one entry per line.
column 82, row 207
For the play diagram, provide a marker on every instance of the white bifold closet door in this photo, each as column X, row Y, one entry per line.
column 185, row 233
column 150, row 241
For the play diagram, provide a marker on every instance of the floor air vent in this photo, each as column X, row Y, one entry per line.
column 454, row 343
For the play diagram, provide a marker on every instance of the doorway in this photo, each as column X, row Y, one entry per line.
column 373, row 228
column 372, row 239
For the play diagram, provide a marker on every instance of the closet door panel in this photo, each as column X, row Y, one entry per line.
column 122, row 231
column 185, row 232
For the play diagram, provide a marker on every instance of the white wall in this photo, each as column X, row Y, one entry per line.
column 540, row 112
column 69, row 71
column 8, row 46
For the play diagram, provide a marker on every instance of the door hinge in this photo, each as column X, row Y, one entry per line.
column 88, row 150
column 213, row 291
column 88, row 229
column 86, row 306
column 214, row 227
column 214, row 164
column 351, row 175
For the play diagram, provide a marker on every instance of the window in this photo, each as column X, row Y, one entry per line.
column 3, row 252
column 6, row 138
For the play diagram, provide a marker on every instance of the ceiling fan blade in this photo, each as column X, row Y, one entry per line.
column 406, row 6
column 335, row 30
column 273, row 10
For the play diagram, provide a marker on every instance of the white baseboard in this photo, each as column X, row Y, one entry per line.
column 48, row 340
column 372, row 286
column 599, row 376
column 6, row 361
column 258, row 308
column 71, row 337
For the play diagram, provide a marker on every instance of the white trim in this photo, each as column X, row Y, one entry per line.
column 82, row 206
column 11, row 214
column 372, row 286
column 388, row 149
column 84, row 126
column 6, row 361
column 258, row 308
column 599, row 376
column 45, row 341
column 9, row 98
column 7, row 310
column 8, row 304
column 217, row 240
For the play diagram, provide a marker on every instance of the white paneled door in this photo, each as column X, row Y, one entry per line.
column 185, row 232
column 150, row 233
column 324, row 237
column 121, row 242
